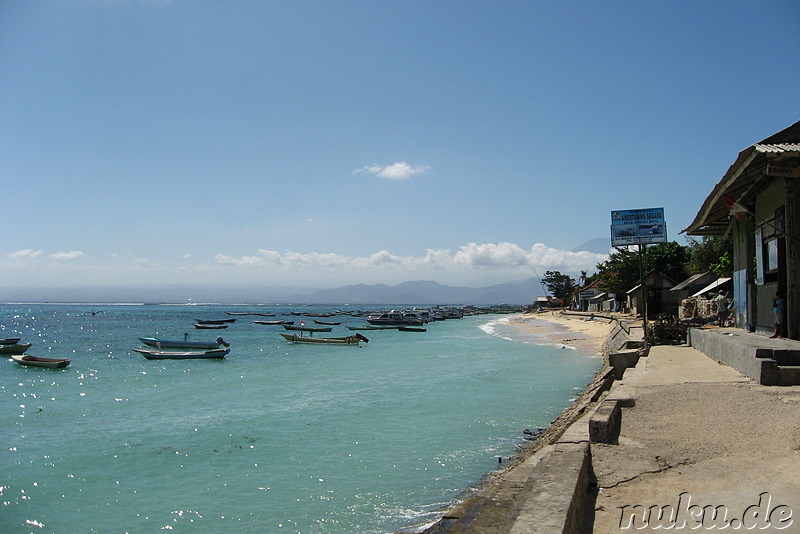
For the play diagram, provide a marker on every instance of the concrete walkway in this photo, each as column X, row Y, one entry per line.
column 699, row 435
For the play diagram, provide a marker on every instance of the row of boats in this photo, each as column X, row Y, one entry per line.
column 162, row 349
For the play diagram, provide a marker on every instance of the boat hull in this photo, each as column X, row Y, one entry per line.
column 175, row 344
column 14, row 349
column 308, row 328
column 47, row 363
column 189, row 355
column 348, row 340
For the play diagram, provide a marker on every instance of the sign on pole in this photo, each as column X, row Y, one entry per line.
column 638, row 227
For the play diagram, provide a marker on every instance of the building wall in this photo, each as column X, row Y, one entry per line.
column 752, row 239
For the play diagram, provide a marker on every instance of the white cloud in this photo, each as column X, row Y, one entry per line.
column 399, row 170
column 470, row 257
column 73, row 254
column 24, row 254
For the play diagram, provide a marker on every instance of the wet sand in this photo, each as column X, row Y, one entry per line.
column 580, row 332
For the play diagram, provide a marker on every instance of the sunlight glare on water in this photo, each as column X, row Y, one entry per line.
column 275, row 437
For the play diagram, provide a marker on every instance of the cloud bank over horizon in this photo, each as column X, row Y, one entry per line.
column 477, row 262
column 472, row 256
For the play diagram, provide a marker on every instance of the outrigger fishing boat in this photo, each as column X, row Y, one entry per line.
column 347, row 340
column 33, row 361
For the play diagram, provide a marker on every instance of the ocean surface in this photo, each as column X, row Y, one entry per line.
column 274, row 438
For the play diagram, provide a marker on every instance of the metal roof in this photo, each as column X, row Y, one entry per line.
column 694, row 279
column 712, row 286
column 739, row 183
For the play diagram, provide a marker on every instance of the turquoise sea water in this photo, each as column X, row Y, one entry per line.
column 275, row 437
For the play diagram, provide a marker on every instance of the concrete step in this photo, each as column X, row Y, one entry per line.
column 786, row 357
column 789, row 375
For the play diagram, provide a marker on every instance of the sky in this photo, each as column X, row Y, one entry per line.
column 319, row 144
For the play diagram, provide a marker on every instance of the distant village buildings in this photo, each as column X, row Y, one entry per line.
column 756, row 202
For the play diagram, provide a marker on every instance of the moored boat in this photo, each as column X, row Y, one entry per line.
column 303, row 328
column 177, row 355
column 327, row 323
column 16, row 348
column 185, row 344
column 9, row 341
column 394, row 318
column 204, row 326
column 347, row 340
column 274, row 323
column 34, row 361
column 220, row 321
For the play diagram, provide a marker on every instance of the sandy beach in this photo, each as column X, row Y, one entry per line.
column 580, row 332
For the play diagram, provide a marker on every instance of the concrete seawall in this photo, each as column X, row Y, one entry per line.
column 550, row 487
column 632, row 443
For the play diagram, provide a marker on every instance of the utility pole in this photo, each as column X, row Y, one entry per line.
column 643, row 291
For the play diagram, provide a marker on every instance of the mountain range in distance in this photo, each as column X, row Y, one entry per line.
column 406, row 293
column 428, row 292
column 419, row 292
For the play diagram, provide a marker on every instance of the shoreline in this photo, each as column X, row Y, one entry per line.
column 580, row 332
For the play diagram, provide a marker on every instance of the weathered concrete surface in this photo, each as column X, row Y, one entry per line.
column 558, row 502
column 700, row 430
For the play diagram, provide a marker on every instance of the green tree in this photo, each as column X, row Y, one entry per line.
column 711, row 253
column 562, row 286
column 621, row 271
column 667, row 258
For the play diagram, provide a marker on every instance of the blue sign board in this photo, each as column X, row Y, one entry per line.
column 638, row 227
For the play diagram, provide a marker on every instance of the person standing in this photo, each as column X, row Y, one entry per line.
column 722, row 308
column 779, row 309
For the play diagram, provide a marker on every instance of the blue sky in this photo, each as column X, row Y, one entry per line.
column 315, row 144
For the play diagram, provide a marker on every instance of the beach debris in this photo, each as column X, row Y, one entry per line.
column 533, row 435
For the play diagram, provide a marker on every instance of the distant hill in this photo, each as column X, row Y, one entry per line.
column 418, row 292
column 427, row 292
column 598, row 245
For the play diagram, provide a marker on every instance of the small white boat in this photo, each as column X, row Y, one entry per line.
column 33, row 361
column 347, row 340
column 176, row 355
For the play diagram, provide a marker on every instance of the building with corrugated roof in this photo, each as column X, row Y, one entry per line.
column 756, row 202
